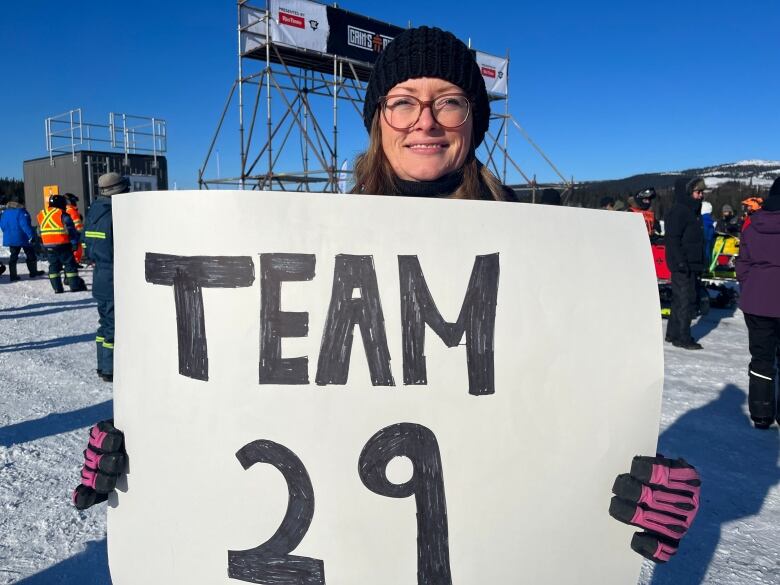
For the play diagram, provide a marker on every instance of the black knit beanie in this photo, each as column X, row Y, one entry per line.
column 429, row 52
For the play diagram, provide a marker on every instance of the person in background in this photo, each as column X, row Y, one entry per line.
column 619, row 205
column 758, row 272
column 99, row 240
column 18, row 235
column 685, row 257
column 426, row 111
column 749, row 207
column 728, row 223
column 60, row 238
column 641, row 203
column 708, row 225
column 607, row 203
column 72, row 209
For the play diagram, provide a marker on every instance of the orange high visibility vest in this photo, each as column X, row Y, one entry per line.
column 648, row 216
column 53, row 230
column 74, row 214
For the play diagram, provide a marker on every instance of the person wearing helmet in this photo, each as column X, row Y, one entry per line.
column 749, row 207
column 685, row 257
column 60, row 238
column 99, row 240
column 72, row 209
column 641, row 203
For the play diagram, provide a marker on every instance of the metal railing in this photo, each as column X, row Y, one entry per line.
column 127, row 133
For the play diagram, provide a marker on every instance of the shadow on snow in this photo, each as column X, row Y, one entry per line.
column 54, row 424
column 40, row 309
column 86, row 568
column 47, row 343
column 738, row 466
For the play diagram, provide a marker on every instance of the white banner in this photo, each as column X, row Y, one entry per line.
column 378, row 390
column 494, row 72
column 299, row 23
column 253, row 28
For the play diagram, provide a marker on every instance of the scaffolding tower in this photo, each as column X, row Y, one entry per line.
column 304, row 63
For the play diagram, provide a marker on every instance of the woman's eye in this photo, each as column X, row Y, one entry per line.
column 399, row 102
column 449, row 102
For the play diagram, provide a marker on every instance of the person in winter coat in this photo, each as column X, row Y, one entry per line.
column 60, row 238
column 18, row 235
column 99, row 238
column 642, row 203
column 72, row 209
column 708, row 225
column 728, row 223
column 426, row 111
column 758, row 272
column 685, row 258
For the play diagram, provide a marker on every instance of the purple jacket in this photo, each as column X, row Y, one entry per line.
column 758, row 265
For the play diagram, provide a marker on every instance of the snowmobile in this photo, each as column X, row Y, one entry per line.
column 721, row 292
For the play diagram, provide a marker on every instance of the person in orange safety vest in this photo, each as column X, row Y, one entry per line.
column 60, row 238
column 640, row 203
column 72, row 209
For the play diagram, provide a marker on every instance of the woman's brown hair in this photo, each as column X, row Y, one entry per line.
column 374, row 175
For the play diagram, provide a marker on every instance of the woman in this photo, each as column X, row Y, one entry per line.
column 758, row 272
column 426, row 111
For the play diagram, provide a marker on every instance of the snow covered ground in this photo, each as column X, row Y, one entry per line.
column 50, row 395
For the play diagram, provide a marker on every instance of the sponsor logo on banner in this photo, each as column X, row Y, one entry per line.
column 366, row 39
column 488, row 72
column 290, row 19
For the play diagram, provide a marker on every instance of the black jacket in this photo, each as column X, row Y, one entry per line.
column 684, row 232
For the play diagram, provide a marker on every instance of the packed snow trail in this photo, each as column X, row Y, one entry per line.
column 50, row 395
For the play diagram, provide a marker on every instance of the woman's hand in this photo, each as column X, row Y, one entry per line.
column 660, row 495
column 104, row 461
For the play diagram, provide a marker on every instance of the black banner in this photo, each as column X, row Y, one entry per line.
column 358, row 37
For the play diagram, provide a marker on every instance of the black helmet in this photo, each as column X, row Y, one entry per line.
column 58, row 201
column 645, row 198
column 72, row 199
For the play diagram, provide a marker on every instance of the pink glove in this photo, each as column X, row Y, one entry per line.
column 104, row 460
column 660, row 495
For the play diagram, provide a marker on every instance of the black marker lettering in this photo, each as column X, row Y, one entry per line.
column 419, row 444
column 350, row 273
column 271, row 562
column 188, row 275
column 477, row 319
column 275, row 324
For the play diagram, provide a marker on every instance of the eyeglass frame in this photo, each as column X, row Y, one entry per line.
column 382, row 103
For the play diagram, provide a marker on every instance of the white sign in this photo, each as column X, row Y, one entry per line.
column 300, row 23
column 378, row 390
column 494, row 71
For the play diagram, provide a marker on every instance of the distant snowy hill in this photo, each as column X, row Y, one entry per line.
column 732, row 181
column 758, row 173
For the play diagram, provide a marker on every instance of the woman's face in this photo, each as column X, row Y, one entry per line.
column 426, row 151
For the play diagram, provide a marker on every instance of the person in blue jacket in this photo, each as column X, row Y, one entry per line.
column 99, row 239
column 18, row 234
column 708, row 223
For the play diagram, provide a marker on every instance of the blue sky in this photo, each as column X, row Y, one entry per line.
column 606, row 88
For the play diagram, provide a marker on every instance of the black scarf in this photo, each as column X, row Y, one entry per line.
column 442, row 187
